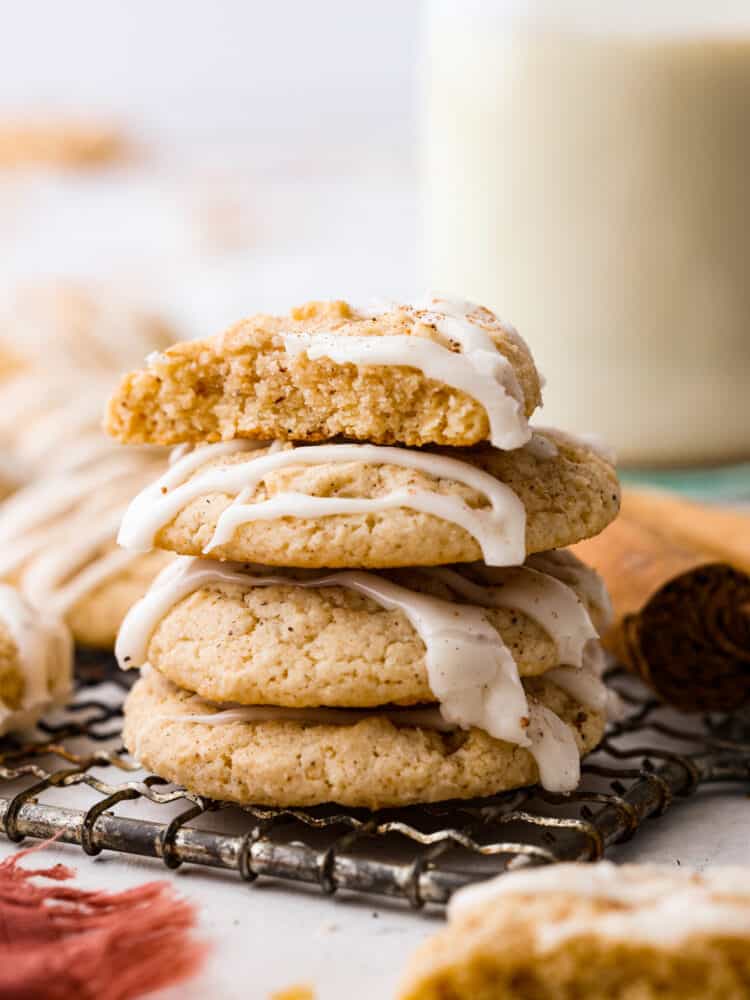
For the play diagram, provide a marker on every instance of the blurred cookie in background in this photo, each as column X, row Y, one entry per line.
column 36, row 662
column 60, row 142
column 89, row 329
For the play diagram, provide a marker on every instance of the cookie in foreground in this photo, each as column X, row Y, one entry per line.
column 438, row 372
column 592, row 932
column 374, row 758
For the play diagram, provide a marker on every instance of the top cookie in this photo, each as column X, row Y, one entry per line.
column 442, row 372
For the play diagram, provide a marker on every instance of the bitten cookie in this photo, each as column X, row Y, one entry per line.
column 374, row 762
column 594, row 932
column 348, row 505
column 36, row 662
column 440, row 372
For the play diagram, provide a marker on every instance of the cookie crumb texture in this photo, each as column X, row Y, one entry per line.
column 570, row 496
column 491, row 953
column 243, row 383
column 372, row 764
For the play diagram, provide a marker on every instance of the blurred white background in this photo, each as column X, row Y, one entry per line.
column 278, row 146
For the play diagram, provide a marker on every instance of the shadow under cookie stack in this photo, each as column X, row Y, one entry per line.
column 376, row 607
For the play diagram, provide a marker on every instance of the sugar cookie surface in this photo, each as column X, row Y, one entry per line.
column 568, row 493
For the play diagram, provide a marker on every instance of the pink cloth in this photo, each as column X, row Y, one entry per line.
column 59, row 943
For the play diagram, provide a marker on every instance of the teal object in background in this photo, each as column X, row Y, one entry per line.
column 723, row 483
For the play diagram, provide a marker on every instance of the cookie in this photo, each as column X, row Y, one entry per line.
column 348, row 505
column 77, row 330
column 254, row 636
column 94, row 597
column 36, row 662
column 440, row 372
column 60, row 143
column 57, row 543
column 592, row 932
column 10, row 363
column 373, row 762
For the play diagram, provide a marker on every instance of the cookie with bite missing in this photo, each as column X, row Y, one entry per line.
column 439, row 372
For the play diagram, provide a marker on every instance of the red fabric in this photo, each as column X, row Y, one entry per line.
column 58, row 942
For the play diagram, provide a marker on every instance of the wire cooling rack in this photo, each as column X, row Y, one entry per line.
column 77, row 782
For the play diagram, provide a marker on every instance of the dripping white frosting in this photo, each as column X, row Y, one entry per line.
column 45, row 655
column 56, row 533
column 51, row 580
column 427, row 717
column 499, row 529
column 654, row 903
column 540, row 596
column 592, row 441
column 480, row 370
column 470, row 670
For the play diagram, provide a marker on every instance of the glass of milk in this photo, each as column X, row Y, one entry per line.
column 588, row 177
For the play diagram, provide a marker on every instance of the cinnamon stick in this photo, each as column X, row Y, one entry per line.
column 679, row 576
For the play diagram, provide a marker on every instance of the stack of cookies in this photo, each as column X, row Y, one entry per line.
column 372, row 605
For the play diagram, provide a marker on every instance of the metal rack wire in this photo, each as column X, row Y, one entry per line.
column 76, row 782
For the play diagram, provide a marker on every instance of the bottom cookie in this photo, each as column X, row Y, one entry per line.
column 593, row 932
column 378, row 760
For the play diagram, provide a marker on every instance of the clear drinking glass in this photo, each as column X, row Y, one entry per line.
column 587, row 175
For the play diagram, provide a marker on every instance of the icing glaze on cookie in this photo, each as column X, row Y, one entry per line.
column 479, row 369
column 72, row 567
column 32, row 519
column 651, row 903
column 499, row 530
column 45, row 655
column 471, row 671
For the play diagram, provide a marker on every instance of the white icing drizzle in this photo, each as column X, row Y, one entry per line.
column 57, row 428
column 564, row 566
column 57, row 532
column 45, row 653
column 499, row 530
column 470, row 670
column 656, row 904
column 425, row 718
column 30, row 519
column 540, row 596
column 543, row 448
column 47, row 581
column 480, row 370
column 591, row 441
